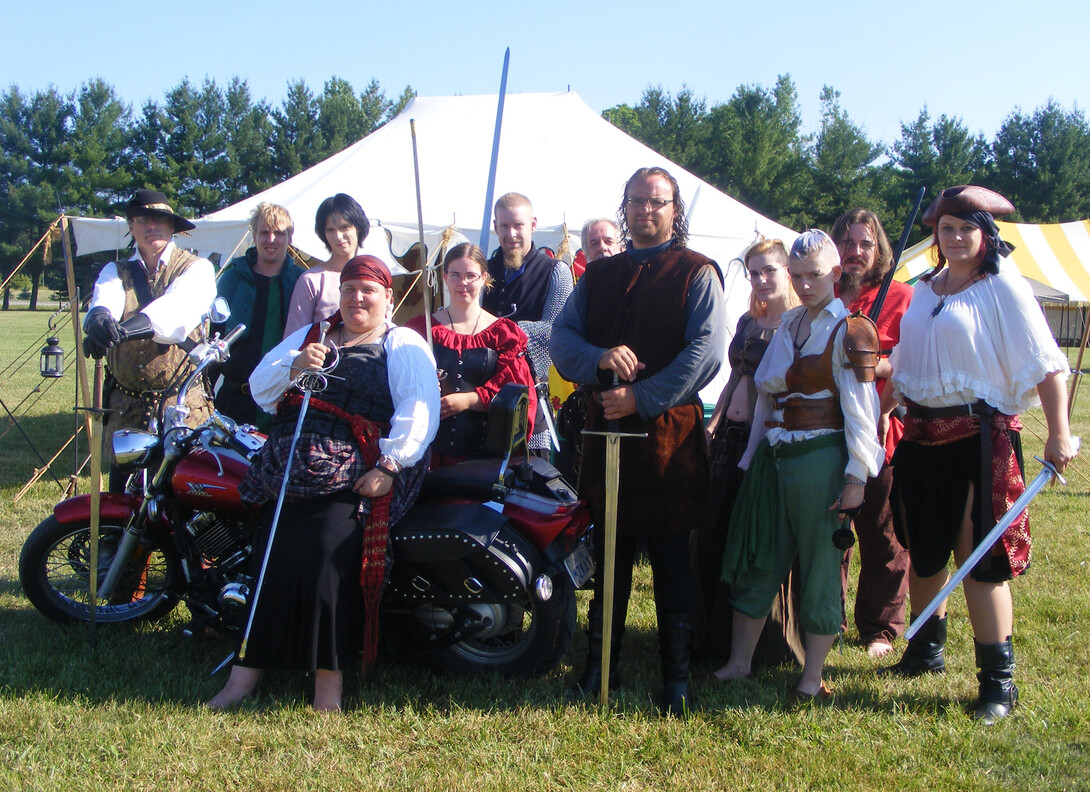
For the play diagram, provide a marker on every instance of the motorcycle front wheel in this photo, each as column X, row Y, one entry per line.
column 528, row 637
column 54, row 569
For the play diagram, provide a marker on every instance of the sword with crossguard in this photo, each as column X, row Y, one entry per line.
column 1048, row 472
column 613, row 480
column 308, row 388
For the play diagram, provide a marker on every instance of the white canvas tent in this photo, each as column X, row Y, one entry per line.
column 566, row 158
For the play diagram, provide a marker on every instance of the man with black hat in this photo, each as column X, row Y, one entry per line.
column 153, row 302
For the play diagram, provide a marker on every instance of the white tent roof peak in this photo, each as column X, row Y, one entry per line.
column 568, row 160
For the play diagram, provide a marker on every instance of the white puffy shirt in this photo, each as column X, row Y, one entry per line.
column 413, row 386
column 990, row 342
column 858, row 400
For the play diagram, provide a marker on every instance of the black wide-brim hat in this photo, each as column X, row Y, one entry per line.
column 153, row 202
column 966, row 198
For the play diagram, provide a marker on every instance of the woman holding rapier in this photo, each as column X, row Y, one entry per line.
column 975, row 351
column 357, row 467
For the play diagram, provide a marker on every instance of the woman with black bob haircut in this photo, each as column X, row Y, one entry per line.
column 342, row 226
column 975, row 351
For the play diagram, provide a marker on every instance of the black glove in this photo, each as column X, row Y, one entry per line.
column 102, row 331
column 136, row 327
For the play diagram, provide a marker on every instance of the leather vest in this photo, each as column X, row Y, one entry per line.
column 523, row 298
column 664, row 487
column 145, row 365
column 811, row 374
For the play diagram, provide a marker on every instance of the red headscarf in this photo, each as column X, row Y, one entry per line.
column 367, row 268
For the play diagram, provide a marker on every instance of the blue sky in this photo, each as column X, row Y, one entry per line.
column 977, row 61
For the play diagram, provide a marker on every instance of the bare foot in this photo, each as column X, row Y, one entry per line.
column 327, row 690
column 878, row 648
column 808, row 689
column 730, row 672
column 240, row 686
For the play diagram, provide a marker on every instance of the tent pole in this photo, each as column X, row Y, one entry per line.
column 77, row 330
column 30, row 253
column 423, row 255
column 491, row 187
column 1078, row 363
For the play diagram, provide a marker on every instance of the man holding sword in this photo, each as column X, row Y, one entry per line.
column 644, row 330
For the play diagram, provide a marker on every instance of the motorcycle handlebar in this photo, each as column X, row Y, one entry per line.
column 232, row 337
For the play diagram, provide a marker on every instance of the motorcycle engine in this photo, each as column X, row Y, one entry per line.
column 217, row 538
column 224, row 544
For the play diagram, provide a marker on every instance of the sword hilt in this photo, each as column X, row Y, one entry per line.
column 1075, row 441
column 613, row 424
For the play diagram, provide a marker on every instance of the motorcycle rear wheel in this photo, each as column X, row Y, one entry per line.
column 535, row 635
column 54, row 571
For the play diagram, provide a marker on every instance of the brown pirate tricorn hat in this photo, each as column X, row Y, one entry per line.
column 967, row 198
column 153, row 202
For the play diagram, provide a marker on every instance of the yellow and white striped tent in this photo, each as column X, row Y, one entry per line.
column 1057, row 255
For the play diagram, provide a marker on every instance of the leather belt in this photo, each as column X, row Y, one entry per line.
column 977, row 408
column 801, row 415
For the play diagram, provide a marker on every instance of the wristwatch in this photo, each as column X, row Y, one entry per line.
column 387, row 464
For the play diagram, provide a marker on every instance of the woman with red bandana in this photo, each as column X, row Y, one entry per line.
column 357, row 468
column 975, row 351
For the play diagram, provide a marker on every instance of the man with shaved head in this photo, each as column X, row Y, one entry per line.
column 529, row 288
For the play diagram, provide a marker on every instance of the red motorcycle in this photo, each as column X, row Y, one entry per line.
column 486, row 563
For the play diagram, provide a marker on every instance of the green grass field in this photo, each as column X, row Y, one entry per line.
column 126, row 714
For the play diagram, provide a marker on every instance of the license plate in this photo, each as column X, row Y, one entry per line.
column 580, row 566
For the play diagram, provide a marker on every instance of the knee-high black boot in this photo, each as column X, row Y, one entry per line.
column 675, row 649
column 590, row 682
column 923, row 655
column 998, row 693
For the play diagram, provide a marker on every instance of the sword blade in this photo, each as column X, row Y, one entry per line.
column 279, row 506
column 1046, row 475
column 613, row 479
column 95, row 441
column 544, row 399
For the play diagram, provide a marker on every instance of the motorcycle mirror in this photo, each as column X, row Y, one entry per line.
column 220, row 311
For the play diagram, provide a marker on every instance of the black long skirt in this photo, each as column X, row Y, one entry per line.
column 310, row 612
column 782, row 639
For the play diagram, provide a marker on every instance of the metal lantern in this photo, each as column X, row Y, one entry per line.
column 52, row 360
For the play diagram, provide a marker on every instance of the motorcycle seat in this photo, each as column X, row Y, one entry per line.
column 473, row 478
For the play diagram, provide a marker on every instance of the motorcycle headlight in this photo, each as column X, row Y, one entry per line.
column 132, row 448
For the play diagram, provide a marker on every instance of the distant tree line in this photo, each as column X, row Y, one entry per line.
column 753, row 148
column 209, row 146
column 206, row 147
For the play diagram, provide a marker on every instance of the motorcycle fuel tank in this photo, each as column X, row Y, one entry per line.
column 209, row 482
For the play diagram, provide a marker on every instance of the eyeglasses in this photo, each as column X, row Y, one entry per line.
column 147, row 220
column 468, row 278
column 654, row 204
column 866, row 245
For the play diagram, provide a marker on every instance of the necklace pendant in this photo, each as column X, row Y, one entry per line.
column 938, row 307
